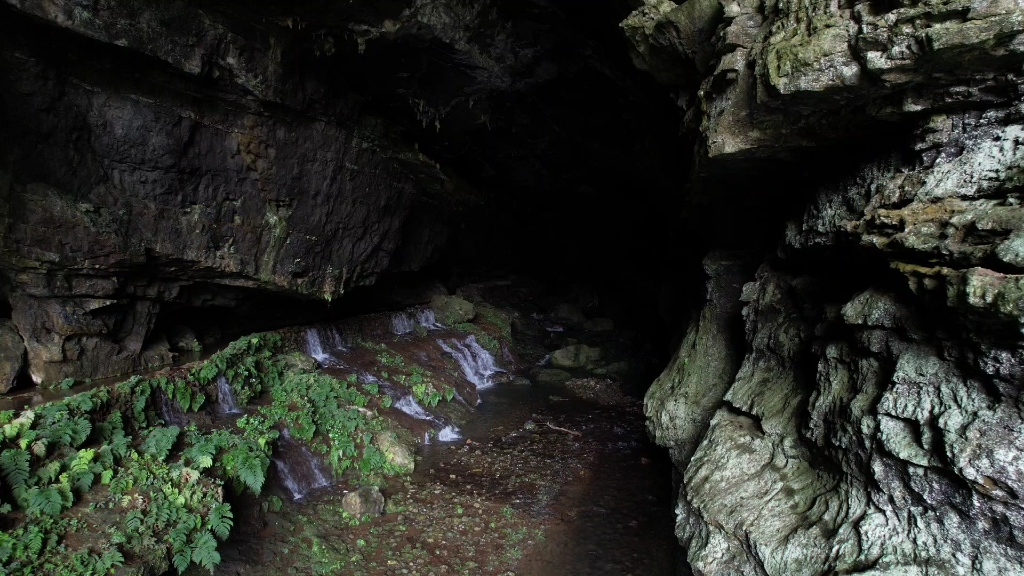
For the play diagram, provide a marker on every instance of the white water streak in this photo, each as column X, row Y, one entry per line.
column 226, row 403
column 477, row 364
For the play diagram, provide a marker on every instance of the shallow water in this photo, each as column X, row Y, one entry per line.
column 616, row 518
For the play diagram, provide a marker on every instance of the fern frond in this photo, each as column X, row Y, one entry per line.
column 204, row 551
column 220, row 520
column 14, row 463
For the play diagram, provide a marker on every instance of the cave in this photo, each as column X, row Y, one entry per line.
column 546, row 287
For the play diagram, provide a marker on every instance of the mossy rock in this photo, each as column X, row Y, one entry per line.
column 398, row 452
column 366, row 501
column 575, row 356
column 297, row 363
column 451, row 310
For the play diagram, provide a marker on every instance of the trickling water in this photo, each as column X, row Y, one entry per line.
column 226, row 397
column 449, row 434
column 477, row 364
column 300, row 471
column 316, row 349
column 169, row 411
column 406, row 322
column 544, row 360
column 401, row 323
column 425, row 317
column 409, row 405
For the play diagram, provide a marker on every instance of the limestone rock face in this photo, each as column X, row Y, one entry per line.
column 12, row 355
column 854, row 405
column 762, row 82
column 869, row 420
column 182, row 159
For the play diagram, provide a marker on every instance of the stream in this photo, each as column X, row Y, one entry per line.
column 540, row 480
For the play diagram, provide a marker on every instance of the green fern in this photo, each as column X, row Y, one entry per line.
column 220, row 520
column 14, row 463
column 159, row 441
column 204, row 551
column 134, row 521
column 183, row 395
column 44, row 502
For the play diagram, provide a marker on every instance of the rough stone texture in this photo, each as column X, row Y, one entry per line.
column 398, row 452
column 575, row 356
column 869, row 418
column 452, row 310
column 189, row 161
column 12, row 354
column 366, row 501
column 778, row 78
column 874, row 424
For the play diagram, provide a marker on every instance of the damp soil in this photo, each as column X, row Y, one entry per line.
column 543, row 483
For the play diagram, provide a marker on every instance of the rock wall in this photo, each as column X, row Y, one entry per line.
column 870, row 419
column 145, row 150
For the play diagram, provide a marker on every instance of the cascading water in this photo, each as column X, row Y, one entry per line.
column 477, row 364
column 406, row 322
column 449, row 434
column 316, row 349
column 300, row 471
column 401, row 323
column 426, row 318
column 226, row 403
column 409, row 405
column 170, row 412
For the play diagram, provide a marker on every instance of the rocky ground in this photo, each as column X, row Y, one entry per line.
column 551, row 478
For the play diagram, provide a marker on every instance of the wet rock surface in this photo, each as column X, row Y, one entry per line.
column 12, row 355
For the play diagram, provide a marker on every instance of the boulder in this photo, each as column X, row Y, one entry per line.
column 599, row 325
column 452, row 309
column 575, row 356
column 366, row 501
column 397, row 452
column 12, row 355
column 521, row 381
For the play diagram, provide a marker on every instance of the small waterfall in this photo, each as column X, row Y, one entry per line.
column 406, row 322
column 300, row 471
column 409, row 405
column 315, row 345
column 226, row 397
column 544, row 360
column 477, row 363
column 402, row 323
column 169, row 411
column 425, row 317
column 449, row 434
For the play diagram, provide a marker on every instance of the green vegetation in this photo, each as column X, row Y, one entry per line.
column 155, row 491
column 98, row 481
column 486, row 340
column 328, row 413
column 104, row 462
